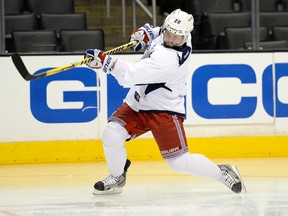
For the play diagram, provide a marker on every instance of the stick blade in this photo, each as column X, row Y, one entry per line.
column 19, row 64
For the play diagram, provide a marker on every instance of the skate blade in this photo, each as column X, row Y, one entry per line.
column 235, row 169
column 108, row 192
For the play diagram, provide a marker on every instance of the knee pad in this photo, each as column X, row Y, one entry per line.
column 114, row 133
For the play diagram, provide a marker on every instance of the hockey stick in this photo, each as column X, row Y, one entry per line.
column 19, row 64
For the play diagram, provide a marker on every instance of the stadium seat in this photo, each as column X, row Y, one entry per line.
column 217, row 22
column 35, row 41
column 214, row 6
column 280, row 32
column 269, row 19
column 201, row 10
column 236, row 37
column 271, row 45
column 50, row 6
column 81, row 40
column 18, row 22
column 268, row 5
column 57, row 22
column 12, row 7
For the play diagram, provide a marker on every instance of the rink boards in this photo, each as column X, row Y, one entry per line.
column 237, row 106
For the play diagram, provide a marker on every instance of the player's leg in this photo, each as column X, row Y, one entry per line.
column 196, row 165
column 123, row 125
column 113, row 140
column 171, row 139
column 199, row 165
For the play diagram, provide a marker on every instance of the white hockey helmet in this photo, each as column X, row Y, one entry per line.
column 179, row 23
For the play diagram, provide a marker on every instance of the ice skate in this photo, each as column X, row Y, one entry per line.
column 111, row 184
column 231, row 178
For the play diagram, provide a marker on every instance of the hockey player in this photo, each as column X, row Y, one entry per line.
column 155, row 102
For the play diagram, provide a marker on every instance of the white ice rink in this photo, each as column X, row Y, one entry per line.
column 151, row 189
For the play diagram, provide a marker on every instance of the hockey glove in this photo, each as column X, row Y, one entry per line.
column 100, row 60
column 144, row 35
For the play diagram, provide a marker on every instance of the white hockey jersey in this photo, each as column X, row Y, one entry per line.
column 158, row 81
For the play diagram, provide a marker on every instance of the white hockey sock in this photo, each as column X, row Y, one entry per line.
column 113, row 140
column 195, row 164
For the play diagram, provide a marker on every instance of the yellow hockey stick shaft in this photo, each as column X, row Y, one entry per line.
column 19, row 64
column 89, row 59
